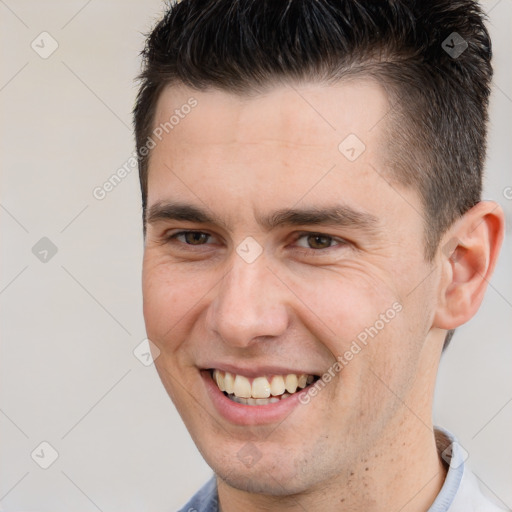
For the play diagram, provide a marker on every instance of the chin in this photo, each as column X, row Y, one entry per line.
column 259, row 480
column 275, row 473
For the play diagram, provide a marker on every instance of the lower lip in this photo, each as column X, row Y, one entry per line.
column 242, row 414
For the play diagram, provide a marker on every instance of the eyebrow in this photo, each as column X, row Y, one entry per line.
column 336, row 215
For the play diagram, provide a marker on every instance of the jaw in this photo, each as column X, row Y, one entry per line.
column 307, row 451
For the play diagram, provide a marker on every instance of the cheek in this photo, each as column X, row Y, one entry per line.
column 344, row 301
column 170, row 298
column 366, row 325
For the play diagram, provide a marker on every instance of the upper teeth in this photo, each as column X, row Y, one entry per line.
column 260, row 387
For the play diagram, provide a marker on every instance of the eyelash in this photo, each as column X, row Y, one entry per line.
column 338, row 241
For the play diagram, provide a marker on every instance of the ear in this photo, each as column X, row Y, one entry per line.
column 467, row 255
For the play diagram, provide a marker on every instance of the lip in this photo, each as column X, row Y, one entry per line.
column 241, row 414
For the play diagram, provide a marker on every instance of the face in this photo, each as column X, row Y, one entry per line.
column 282, row 260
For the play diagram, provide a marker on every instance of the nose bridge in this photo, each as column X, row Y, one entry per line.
column 248, row 304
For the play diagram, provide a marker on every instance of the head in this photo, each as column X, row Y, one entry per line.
column 341, row 145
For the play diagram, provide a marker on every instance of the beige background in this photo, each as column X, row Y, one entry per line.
column 69, row 325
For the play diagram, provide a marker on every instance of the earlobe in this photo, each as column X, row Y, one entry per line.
column 467, row 255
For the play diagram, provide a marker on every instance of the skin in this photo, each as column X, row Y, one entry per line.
column 300, row 304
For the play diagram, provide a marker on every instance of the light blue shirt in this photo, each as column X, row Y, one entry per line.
column 460, row 492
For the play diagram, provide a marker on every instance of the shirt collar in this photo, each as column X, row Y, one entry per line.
column 452, row 453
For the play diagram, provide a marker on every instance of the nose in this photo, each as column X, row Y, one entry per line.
column 249, row 305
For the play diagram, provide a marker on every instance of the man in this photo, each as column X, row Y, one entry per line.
column 311, row 177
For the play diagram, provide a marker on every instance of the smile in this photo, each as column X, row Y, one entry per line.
column 260, row 390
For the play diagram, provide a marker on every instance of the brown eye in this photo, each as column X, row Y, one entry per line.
column 195, row 237
column 192, row 237
column 317, row 241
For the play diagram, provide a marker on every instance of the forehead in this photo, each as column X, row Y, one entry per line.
column 290, row 134
column 305, row 115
